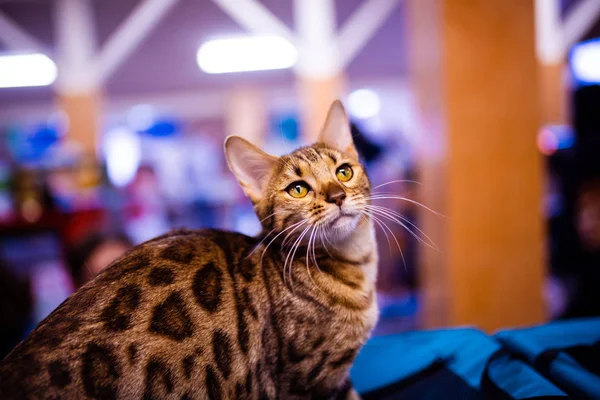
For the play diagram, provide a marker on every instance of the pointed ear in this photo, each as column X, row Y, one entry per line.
column 252, row 167
column 336, row 133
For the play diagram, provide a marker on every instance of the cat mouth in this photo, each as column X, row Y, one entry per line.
column 341, row 216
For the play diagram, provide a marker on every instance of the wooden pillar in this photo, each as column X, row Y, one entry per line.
column 319, row 71
column 78, row 88
column 83, row 112
column 316, row 96
column 246, row 114
column 550, row 46
column 553, row 94
column 475, row 79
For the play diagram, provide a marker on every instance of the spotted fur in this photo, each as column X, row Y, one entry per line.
column 218, row 315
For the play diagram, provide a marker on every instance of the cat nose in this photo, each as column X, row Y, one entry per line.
column 335, row 194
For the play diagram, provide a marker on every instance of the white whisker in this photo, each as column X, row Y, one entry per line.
column 268, row 234
column 273, row 214
column 394, row 216
column 396, row 181
column 394, row 197
column 384, row 232
column 383, row 224
column 319, row 232
column 292, row 252
column 295, row 226
column 310, row 240
column 261, row 242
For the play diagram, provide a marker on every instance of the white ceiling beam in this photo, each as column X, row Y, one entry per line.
column 76, row 46
column 317, row 38
column 16, row 38
column 583, row 16
column 129, row 34
column 193, row 105
column 362, row 26
column 255, row 18
column 549, row 44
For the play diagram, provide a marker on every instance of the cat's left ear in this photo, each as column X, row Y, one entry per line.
column 336, row 132
column 252, row 167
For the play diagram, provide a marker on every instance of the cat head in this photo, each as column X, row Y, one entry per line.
column 322, row 187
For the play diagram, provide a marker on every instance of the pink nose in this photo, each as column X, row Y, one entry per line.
column 336, row 195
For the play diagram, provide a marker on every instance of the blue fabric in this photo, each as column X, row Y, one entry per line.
column 569, row 374
column 386, row 360
column 530, row 343
column 518, row 379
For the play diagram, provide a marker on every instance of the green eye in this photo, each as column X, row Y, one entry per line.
column 344, row 173
column 298, row 190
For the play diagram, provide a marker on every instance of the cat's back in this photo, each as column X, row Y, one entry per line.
column 148, row 324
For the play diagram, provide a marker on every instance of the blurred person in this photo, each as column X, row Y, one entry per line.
column 588, row 218
column 147, row 216
column 32, row 195
column 16, row 306
column 583, row 208
column 584, row 296
column 94, row 253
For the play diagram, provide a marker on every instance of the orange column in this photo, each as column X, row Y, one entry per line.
column 553, row 94
column 247, row 114
column 78, row 88
column 84, row 112
column 475, row 79
column 316, row 96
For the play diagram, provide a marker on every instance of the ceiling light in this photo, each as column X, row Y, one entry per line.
column 141, row 117
column 122, row 149
column 249, row 53
column 22, row 70
column 363, row 103
column 585, row 61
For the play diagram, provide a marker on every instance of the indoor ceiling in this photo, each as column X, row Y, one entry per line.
column 166, row 59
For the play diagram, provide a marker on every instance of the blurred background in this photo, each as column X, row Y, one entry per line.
column 113, row 114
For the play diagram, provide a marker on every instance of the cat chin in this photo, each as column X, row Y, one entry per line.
column 343, row 227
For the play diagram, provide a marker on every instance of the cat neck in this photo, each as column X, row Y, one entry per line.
column 355, row 254
column 359, row 247
column 346, row 272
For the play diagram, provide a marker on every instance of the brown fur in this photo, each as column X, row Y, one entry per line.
column 216, row 315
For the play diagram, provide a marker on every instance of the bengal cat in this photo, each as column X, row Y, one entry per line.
column 219, row 315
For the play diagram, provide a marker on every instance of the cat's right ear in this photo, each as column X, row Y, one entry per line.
column 336, row 132
column 252, row 167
